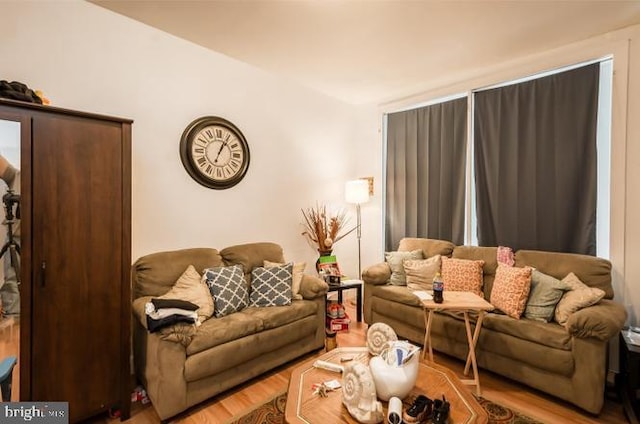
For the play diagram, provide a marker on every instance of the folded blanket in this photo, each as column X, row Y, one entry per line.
column 174, row 303
column 154, row 325
column 151, row 311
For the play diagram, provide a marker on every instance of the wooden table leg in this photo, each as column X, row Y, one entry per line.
column 476, row 334
column 472, row 355
column 427, row 335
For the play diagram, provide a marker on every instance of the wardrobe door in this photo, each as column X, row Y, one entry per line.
column 77, row 262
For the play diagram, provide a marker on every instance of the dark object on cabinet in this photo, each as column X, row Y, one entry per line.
column 630, row 374
column 76, row 254
column 18, row 91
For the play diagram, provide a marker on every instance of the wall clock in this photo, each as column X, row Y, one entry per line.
column 214, row 152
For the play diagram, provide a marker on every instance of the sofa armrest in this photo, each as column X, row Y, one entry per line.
column 602, row 321
column 312, row 287
column 377, row 274
column 138, row 309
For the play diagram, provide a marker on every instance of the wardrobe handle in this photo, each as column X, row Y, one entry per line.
column 42, row 274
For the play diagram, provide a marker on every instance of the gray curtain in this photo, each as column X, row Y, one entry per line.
column 425, row 174
column 535, row 163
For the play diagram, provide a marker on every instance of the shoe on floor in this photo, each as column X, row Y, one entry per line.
column 440, row 411
column 418, row 411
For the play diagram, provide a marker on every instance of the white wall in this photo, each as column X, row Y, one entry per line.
column 624, row 45
column 87, row 58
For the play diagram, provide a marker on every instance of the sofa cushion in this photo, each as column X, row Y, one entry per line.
column 511, row 289
column 278, row 316
column 271, row 286
column 429, row 247
column 222, row 330
column 420, row 272
column 547, row 334
column 298, row 272
column 543, row 346
column 396, row 263
column 462, row 275
column 592, row 271
column 228, row 289
column 236, row 353
column 191, row 288
column 545, row 294
column 156, row 273
column 251, row 255
column 579, row 296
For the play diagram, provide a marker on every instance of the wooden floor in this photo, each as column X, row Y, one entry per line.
column 233, row 403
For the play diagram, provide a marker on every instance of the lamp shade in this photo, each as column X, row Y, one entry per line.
column 356, row 191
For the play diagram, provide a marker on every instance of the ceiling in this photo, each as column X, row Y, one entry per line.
column 371, row 52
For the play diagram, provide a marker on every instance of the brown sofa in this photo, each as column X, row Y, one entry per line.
column 223, row 352
column 568, row 362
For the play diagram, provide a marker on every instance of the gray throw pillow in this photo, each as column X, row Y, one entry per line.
column 396, row 263
column 271, row 286
column 228, row 288
column 545, row 294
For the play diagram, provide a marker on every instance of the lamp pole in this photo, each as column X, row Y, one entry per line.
column 359, row 235
column 357, row 193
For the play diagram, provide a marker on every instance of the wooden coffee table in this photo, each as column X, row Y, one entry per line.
column 433, row 381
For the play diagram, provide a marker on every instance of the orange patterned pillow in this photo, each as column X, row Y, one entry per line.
column 462, row 275
column 511, row 289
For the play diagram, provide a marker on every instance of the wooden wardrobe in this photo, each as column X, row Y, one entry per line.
column 76, row 257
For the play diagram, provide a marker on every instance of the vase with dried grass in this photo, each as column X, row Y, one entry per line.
column 323, row 229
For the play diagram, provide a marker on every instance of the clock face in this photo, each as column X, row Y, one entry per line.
column 214, row 152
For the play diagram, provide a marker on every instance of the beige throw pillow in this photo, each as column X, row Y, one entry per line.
column 579, row 296
column 420, row 272
column 396, row 260
column 298, row 271
column 191, row 288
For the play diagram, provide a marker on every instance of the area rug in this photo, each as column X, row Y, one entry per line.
column 272, row 412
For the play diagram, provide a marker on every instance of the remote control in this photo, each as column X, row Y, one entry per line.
column 329, row 366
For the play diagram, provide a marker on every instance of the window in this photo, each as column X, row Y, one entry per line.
column 532, row 169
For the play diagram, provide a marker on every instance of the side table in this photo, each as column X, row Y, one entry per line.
column 464, row 302
column 347, row 285
column 630, row 374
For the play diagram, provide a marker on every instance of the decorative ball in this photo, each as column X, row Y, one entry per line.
column 328, row 242
column 378, row 337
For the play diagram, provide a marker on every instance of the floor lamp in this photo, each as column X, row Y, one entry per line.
column 357, row 192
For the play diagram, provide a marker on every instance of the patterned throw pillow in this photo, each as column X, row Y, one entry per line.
column 228, row 288
column 190, row 287
column 505, row 256
column 462, row 275
column 298, row 272
column 545, row 294
column 511, row 289
column 271, row 286
column 420, row 272
column 579, row 296
column 396, row 260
